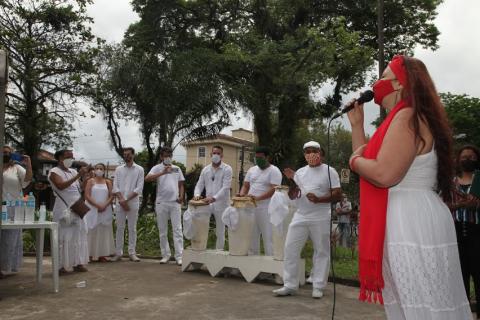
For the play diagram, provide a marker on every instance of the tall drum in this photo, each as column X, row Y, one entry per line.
column 200, row 222
column 240, row 237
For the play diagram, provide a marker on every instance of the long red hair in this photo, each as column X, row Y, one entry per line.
column 421, row 95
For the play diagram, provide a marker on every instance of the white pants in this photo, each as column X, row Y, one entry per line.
column 172, row 211
column 262, row 227
column 219, row 226
column 132, row 217
column 297, row 235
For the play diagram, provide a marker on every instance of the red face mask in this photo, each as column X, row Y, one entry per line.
column 381, row 89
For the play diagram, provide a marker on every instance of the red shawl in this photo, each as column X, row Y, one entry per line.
column 373, row 204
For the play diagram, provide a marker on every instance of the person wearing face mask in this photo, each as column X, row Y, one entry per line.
column 99, row 196
column 72, row 236
column 466, row 213
column 170, row 194
column 408, row 254
column 127, row 186
column 312, row 219
column 15, row 178
column 216, row 180
column 260, row 182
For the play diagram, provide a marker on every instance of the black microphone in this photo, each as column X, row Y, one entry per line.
column 366, row 96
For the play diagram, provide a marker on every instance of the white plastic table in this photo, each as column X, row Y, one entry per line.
column 40, row 233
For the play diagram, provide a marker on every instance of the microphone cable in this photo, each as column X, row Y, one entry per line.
column 332, row 266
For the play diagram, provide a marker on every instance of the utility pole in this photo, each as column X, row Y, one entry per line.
column 381, row 46
column 3, row 92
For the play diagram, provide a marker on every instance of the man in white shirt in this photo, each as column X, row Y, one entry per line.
column 319, row 186
column 216, row 180
column 260, row 182
column 127, row 187
column 170, row 194
column 343, row 210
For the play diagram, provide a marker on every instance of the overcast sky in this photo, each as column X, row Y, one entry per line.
column 453, row 67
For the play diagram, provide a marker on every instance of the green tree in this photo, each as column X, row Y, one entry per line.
column 275, row 53
column 51, row 48
column 464, row 113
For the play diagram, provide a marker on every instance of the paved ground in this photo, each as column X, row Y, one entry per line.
column 148, row 290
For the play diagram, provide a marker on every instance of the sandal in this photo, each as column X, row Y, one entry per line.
column 80, row 268
column 63, row 272
column 103, row 259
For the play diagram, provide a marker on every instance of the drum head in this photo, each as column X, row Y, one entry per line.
column 197, row 203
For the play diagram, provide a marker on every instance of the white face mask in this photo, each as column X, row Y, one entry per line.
column 216, row 158
column 68, row 162
column 99, row 173
column 167, row 161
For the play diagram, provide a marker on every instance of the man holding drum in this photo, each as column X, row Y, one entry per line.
column 260, row 183
column 216, row 180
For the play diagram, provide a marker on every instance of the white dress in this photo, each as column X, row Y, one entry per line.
column 72, row 238
column 11, row 243
column 99, row 224
column 421, row 266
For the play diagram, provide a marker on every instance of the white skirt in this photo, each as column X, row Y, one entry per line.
column 73, row 244
column 421, row 265
column 100, row 241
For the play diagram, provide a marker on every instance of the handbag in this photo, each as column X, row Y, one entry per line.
column 79, row 207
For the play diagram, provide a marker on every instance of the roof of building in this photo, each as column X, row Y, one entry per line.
column 219, row 138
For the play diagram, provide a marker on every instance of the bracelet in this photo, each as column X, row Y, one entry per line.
column 352, row 162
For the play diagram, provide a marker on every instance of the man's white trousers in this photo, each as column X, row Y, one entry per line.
column 169, row 210
column 121, row 217
column 297, row 235
column 262, row 227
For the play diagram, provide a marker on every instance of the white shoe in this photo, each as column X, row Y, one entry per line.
column 179, row 261
column 116, row 258
column 165, row 260
column 317, row 293
column 283, row 292
column 134, row 258
column 309, row 280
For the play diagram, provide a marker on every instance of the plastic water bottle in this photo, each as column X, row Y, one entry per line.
column 4, row 212
column 30, row 208
column 10, row 207
column 42, row 213
column 19, row 210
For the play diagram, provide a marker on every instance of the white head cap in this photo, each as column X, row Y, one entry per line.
column 311, row 144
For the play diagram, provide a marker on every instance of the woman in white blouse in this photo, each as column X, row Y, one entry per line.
column 72, row 235
column 15, row 178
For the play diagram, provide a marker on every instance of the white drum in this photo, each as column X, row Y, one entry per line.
column 200, row 221
column 240, row 238
column 279, row 233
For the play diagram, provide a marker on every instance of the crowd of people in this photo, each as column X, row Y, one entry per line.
column 419, row 225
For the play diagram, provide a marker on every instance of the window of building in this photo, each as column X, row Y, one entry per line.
column 201, row 152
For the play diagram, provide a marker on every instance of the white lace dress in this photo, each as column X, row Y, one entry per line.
column 421, row 266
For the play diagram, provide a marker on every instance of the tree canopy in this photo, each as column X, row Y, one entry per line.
column 51, row 48
column 464, row 113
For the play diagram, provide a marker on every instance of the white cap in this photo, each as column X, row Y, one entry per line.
column 311, row 144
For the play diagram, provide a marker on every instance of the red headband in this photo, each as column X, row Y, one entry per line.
column 398, row 68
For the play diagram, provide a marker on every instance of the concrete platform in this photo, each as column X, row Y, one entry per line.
column 249, row 266
column 148, row 290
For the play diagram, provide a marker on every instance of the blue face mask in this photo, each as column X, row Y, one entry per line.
column 167, row 161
